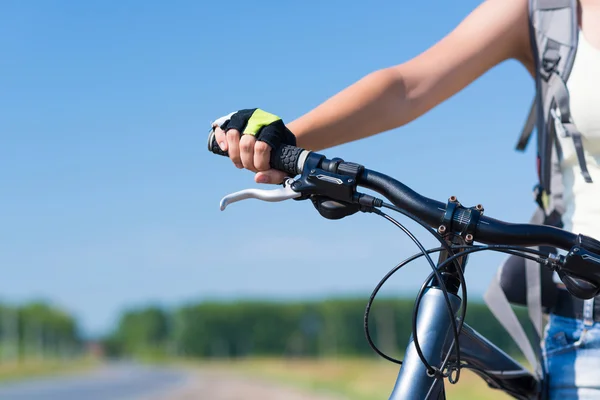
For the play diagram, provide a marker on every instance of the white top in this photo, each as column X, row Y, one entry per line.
column 582, row 200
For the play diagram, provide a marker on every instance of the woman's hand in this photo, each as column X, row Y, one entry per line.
column 249, row 136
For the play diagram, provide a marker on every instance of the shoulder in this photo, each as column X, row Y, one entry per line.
column 505, row 25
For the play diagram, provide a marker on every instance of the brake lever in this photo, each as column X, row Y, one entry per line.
column 281, row 194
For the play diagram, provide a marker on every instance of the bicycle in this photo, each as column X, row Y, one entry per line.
column 450, row 344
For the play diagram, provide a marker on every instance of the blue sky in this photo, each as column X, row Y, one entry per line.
column 110, row 199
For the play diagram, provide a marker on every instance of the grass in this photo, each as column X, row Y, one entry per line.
column 36, row 368
column 353, row 378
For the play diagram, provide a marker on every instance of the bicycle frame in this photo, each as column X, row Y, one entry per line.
column 496, row 367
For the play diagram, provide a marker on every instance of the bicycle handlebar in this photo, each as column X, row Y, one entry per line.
column 337, row 180
column 289, row 159
column 488, row 230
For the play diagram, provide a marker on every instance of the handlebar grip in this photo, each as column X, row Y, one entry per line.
column 213, row 146
column 286, row 158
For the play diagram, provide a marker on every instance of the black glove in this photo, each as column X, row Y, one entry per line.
column 264, row 126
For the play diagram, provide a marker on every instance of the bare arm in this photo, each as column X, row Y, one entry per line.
column 495, row 31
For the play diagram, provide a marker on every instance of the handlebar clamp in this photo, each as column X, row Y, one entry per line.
column 462, row 219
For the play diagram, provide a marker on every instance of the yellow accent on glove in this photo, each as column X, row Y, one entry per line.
column 259, row 120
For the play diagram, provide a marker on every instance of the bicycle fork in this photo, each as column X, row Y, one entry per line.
column 434, row 332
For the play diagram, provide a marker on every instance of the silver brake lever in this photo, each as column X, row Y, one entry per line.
column 284, row 193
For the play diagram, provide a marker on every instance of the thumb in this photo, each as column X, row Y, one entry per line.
column 270, row 176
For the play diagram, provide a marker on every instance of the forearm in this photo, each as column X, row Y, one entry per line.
column 376, row 103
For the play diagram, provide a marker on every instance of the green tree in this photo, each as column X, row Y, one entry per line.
column 143, row 331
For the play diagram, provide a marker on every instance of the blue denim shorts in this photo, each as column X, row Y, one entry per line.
column 572, row 359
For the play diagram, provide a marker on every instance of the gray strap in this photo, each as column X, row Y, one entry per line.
column 588, row 312
column 554, row 31
column 555, row 200
column 558, row 95
column 499, row 306
column 534, row 290
column 534, row 299
column 572, row 131
column 552, row 4
column 528, row 128
column 558, row 92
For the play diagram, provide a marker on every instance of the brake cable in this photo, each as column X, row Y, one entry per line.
column 430, row 369
column 447, row 367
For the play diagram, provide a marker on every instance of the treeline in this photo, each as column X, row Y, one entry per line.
column 36, row 331
column 252, row 328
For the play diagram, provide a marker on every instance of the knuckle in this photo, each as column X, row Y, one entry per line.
column 262, row 147
column 232, row 133
column 219, row 135
column 246, row 145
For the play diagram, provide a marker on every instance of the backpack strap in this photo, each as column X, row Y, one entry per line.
column 528, row 127
column 498, row 303
column 554, row 34
column 500, row 307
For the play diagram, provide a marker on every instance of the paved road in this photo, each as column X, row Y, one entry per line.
column 113, row 382
column 213, row 385
column 131, row 382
